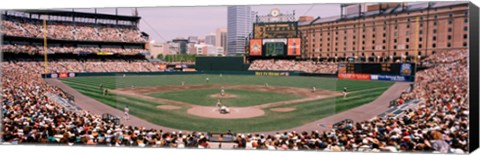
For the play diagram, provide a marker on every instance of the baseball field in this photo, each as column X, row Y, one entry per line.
column 257, row 103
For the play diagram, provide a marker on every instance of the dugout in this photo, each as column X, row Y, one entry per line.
column 234, row 63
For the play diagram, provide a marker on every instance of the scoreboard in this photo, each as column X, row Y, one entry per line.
column 377, row 71
column 275, row 30
column 381, row 68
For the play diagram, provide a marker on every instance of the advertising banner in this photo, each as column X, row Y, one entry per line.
column 272, row 74
column 63, row 75
column 256, row 47
column 71, row 74
column 398, row 78
column 354, row 76
column 342, row 68
column 54, row 75
column 294, row 46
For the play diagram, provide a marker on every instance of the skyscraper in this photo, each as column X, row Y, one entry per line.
column 221, row 38
column 239, row 25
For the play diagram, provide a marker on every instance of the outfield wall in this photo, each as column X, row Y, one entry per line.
column 257, row 73
column 220, row 64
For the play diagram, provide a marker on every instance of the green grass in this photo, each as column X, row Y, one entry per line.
column 243, row 97
column 361, row 92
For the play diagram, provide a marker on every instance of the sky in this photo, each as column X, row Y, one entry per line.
column 167, row 23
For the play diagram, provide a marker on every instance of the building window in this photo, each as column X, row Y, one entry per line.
column 449, row 45
column 465, row 36
column 465, row 28
column 363, row 42
column 363, row 48
column 465, row 20
column 407, row 40
column 434, row 30
column 373, row 35
column 384, row 41
column 435, row 16
column 420, row 32
column 449, row 29
column 373, row 47
column 395, row 40
column 434, row 38
column 406, row 46
column 434, row 23
column 353, row 43
column 384, row 34
column 434, row 45
column 449, row 21
column 420, row 39
column 363, row 36
column 450, row 14
column 373, row 41
column 464, row 44
column 449, row 37
column 419, row 45
column 383, row 47
column 394, row 46
column 408, row 26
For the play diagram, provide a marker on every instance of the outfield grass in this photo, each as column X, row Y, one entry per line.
column 243, row 97
column 361, row 92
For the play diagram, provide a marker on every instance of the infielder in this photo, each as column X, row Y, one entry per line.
column 314, row 89
column 207, row 79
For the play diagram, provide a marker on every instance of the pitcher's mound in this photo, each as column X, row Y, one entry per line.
column 283, row 109
column 168, row 107
column 235, row 112
column 224, row 96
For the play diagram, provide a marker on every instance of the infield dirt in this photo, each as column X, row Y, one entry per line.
column 235, row 112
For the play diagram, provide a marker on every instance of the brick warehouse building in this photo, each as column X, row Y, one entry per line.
column 386, row 32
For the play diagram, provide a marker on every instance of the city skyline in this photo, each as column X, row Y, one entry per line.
column 167, row 23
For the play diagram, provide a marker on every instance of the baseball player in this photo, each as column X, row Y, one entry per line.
column 125, row 111
column 219, row 104
column 266, row 84
column 183, row 83
column 345, row 92
column 314, row 89
column 105, row 92
column 207, row 79
column 222, row 92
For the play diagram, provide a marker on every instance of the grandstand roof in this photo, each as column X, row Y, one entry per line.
column 394, row 10
column 82, row 14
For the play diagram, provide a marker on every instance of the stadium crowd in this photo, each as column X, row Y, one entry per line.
column 438, row 124
column 75, row 50
column 291, row 65
column 32, row 28
column 92, row 66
